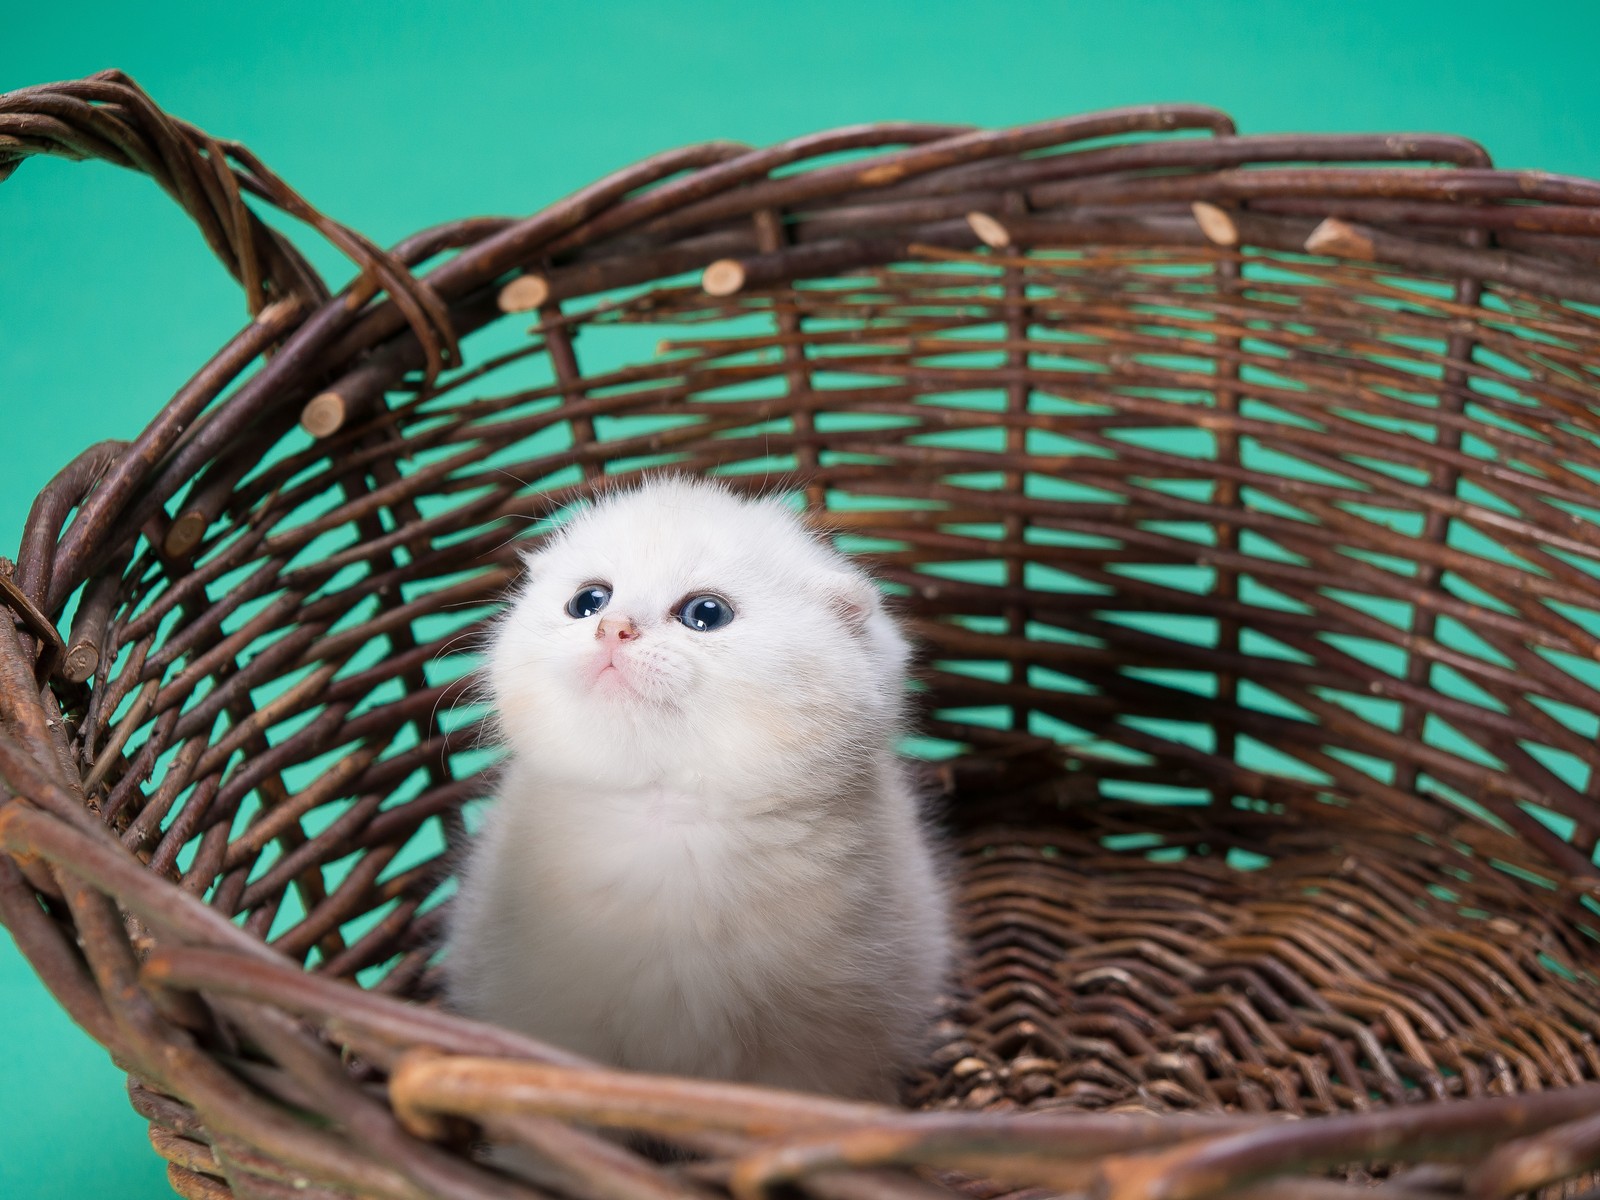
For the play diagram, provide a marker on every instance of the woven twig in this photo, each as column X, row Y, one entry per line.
column 1241, row 493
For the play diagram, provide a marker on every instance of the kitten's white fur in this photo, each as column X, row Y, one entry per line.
column 707, row 861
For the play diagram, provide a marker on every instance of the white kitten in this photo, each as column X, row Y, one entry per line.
column 704, row 857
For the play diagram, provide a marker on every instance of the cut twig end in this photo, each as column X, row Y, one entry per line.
column 723, row 277
column 524, row 293
column 323, row 414
column 1339, row 238
column 80, row 663
column 989, row 230
column 184, row 534
column 1215, row 223
column 280, row 310
column 879, row 176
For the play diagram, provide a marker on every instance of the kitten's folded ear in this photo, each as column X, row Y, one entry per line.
column 853, row 597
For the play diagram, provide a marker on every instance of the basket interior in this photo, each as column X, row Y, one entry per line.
column 1257, row 602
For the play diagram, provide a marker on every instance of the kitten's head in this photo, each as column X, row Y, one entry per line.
column 680, row 634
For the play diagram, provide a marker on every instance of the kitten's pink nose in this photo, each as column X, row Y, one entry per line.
column 620, row 628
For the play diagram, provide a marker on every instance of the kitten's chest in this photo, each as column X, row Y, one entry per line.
column 670, row 855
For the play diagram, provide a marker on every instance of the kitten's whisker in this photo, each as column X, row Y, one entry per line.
column 471, row 632
column 505, row 543
column 516, row 479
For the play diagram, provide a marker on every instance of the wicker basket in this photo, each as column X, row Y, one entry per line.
column 1246, row 512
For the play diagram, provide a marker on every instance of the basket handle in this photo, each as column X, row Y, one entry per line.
column 108, row 116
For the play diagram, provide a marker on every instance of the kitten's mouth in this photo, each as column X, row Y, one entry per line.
column 609, row 677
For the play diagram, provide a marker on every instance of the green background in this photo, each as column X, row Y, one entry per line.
column 398, row 115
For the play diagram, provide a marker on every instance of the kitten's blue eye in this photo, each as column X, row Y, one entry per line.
column 705, row 613
column 590, row 599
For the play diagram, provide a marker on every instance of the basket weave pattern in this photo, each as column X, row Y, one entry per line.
column 1240, row 491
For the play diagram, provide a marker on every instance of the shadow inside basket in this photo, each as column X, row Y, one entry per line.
column 1132, row 958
